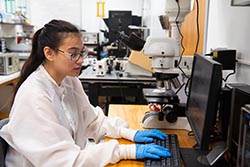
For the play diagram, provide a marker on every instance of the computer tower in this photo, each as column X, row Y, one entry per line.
column 224, row 111
column 243, row 156
column 240, row 95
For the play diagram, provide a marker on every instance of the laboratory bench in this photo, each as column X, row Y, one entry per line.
column 10, row 79
column 116, row 85
column 7, row 84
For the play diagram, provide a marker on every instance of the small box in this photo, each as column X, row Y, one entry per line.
column 90, row 38
column 9, row 63
column 226, row 57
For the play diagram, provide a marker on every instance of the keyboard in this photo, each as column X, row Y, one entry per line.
column 173, row 146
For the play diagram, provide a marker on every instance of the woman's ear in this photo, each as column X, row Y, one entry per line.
column 49, row 53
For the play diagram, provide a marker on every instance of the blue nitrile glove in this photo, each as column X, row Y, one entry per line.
column 149, row 135
column 151, row 151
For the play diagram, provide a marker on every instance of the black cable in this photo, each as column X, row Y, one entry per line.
column 198, row 27
column 186, row 87
column 225, row 80
column 198, row 40
column 179, row 88
column 182, row 37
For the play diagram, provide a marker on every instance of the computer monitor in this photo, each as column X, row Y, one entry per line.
column 202, row 103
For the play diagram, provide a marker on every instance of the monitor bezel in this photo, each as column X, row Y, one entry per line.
column 203, row 141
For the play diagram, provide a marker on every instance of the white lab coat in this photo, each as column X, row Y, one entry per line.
column 50, row 125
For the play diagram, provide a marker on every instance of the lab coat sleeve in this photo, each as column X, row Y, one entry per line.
column 111, row 127
column 100, row 125
column 105, row 153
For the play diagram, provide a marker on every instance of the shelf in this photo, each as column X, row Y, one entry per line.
column 7, row 79
column 23, row 24
column 15, row 34
column 8, row 37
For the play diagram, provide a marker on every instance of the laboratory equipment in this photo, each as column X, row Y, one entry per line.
column 9, row 63
column 90, row 38
column 164, row 53
column 102, row 67
column 118, row 21
column 243, row 158
column 239, row 95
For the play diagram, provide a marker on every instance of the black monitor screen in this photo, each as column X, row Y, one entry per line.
column 202, row 104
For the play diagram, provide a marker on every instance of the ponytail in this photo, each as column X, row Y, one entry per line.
column 32, row 62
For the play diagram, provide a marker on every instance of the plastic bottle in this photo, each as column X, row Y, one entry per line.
column 1, row 17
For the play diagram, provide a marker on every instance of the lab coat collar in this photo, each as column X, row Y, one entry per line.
column 60, row 89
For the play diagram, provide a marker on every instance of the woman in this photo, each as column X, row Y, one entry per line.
column 51, row 120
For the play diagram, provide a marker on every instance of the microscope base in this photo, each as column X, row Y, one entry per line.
column 151, row 121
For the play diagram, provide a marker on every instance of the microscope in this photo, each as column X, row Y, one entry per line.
column 164, row 53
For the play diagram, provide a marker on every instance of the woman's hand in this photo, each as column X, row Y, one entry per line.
column 151, row 151
column 148, row 136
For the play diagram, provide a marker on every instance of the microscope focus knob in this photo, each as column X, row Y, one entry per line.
column 161, row 116
column 171, row 116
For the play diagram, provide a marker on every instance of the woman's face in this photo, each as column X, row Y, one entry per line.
column 62, row 64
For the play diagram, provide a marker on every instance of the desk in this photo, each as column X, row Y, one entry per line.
column 6, row 92
column 114, row 85
column 133, row 114
column 10, row 79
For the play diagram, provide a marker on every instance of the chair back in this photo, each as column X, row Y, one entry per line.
column 3, row 143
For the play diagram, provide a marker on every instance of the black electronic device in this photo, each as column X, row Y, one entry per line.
column 240, row 95
column 172, row 144
column 243, row 158
column 226, row 57
column 202, row 107
column 119, row 34
column 224, row 108
column 118, row 21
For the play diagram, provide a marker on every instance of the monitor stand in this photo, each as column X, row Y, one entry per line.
column 194, row 158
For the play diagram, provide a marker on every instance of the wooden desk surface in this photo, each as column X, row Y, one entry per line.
column 133, row 114
column 9, row 79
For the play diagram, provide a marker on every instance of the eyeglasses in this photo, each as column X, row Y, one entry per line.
column 75, row 56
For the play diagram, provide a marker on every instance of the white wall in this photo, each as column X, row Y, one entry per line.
column 152, row 10
column 42, row 11
column 229, row 27
column 83, row 12
column 89, row 9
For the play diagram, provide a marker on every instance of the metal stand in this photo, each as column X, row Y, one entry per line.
column 151, row 120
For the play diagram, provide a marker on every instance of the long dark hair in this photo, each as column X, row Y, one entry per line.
column 51, row 35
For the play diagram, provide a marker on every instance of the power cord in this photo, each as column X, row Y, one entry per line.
column 182, row 37
column 186, row 86
column 197, row 25
column 225, row 80
column 197, row 42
